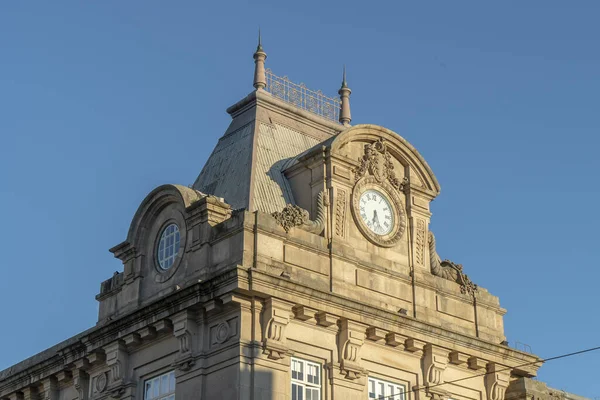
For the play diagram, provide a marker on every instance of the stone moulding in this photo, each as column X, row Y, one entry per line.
column 294, row 216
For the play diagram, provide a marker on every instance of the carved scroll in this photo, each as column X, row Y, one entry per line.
column 185, row 330
column 352, row 337
column 117, row 359
column 448, row 270
column 276, row 317
column 293, row 216
column 434, row 363
column 378, row 162
column 496, row 381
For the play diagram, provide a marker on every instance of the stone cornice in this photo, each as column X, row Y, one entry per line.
column 87, row 344
column 271, row 285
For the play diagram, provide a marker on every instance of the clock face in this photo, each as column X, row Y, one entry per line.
column 376, row 212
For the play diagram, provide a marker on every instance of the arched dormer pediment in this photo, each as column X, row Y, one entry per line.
column 152, row 206
column 420, row 174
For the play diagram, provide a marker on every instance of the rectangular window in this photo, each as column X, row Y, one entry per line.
column 160, row 387
column 306, row 380
column 385, row 390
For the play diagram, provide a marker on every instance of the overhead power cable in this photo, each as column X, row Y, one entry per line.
column 499, row 370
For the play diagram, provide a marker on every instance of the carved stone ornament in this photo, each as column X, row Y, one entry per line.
column 448, row 270
column 434, row 363
column 101, row 382
column 378, row 162
column 496, row 381
column 399, row 215
column 351, row 338
column 222, row 333
column 185, row 330
column 294, row 216
column 274, row 339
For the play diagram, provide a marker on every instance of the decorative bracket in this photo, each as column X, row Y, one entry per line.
column 496, row 381
column 185, row 330
column 81, row 379
column 434, row 364
column 352, row 337
column 117, row 358
column 276, row 315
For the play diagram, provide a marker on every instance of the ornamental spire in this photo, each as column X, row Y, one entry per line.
column 260, row 79
column 344, row 92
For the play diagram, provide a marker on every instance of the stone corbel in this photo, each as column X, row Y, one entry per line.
column 30, row 393
column 81, row 379
column 117, row 359
column 496, row 381
column 185, row 329
column 434, row 365
column 50, row 389
column 15, row 396
column 352, row 337
column 276, row 317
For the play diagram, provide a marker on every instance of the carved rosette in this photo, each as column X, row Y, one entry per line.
column 496, row 381
column 277, row 317
column 352, row 337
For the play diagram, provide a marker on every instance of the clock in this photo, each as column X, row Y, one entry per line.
column 378, row 211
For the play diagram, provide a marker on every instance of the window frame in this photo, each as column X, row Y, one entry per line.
column 304, row 383
column 170, row 378
column 386, row 384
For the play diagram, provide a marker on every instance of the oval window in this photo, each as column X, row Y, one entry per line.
column 168, row 246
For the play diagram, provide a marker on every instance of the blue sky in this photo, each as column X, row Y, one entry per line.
column 100, row 102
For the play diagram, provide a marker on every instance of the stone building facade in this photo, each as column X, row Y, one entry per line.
column 299, row 265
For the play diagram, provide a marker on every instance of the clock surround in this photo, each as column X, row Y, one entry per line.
column 398, row 216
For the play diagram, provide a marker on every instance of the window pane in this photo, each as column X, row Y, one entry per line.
column 164, row 384
column 148, row 391
column 308, row 394
column 294, row 391
column 172, row 382
column 315, row 394
column 155, row 387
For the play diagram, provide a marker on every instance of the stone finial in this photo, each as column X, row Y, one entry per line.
column 260, row 79
column 344, row 93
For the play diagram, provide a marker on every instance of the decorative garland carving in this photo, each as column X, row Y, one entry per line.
column 340, row 212
column 378, row 162
column 420, row 242
column 293, row 216
column 448, row 270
